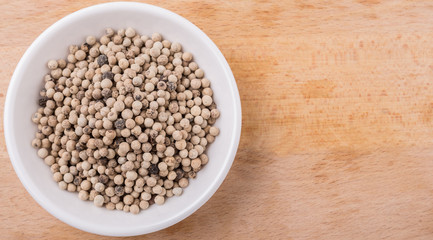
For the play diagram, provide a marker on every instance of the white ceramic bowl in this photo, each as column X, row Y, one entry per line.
column 21, row 103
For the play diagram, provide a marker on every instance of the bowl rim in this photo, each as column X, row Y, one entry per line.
column 58, row 213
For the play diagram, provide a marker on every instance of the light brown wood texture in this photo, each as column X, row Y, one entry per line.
column 337, row 136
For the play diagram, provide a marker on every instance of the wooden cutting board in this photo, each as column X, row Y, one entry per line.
column 337, row 136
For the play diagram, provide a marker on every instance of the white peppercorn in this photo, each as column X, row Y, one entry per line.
column 52, row 64
column 186, row 56
column 159, row 200
column 134, row 209
column 68, row 177
column 157, row 189
column 144, row 205
column 91, row 40
column 130, row 32
column 110, row 206
column 146, row 196
column 151, row 181
column 126, row 121
column 128, row 199
column 99, row 187
column 131, row 175
column 183, row 183
column 177, row 191
column 83, row 195
column 98, row 200
column 214, row 131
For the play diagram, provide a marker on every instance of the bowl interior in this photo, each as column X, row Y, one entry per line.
column 22, row 103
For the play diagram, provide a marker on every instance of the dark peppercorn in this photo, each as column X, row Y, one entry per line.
column 171, row 86
column 153, row 134
column 119, row 190
column 179, row 174
column 192, row 174
column 152, row 200
column 43, row 101
column 79, row 147
column 108, row 75
column 152, row 141
column 137, row 97
column 106, row 93
column 130, row 139
column 103, row 161
column 87, row 130
column 77, row 181
column 118, row 141
column 80, row 95
column 119, row 124
column 85, row 47
column 102, row 59
column 167, row 141
column 58, row 88
column 103, row 179
column 151, row 113
column 153, row 169
column 161, row 85
column 163, row 78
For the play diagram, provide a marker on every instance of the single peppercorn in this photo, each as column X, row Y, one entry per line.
column 43, row 101
column 119, row 190
column 103, row 179
column 119, row 124
column 179, row 174
column 153, row 169
column 171, row 86
column 102, row 59
column 108, row 75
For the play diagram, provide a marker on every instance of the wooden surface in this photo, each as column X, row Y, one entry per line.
column 337, row 136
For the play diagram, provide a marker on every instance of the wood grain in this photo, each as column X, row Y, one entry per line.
column 337, row 136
